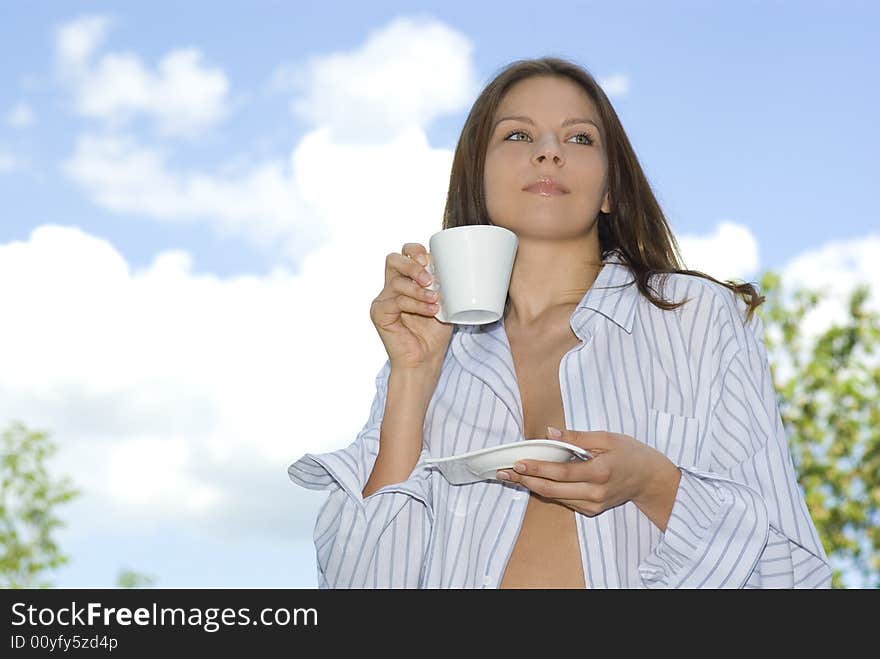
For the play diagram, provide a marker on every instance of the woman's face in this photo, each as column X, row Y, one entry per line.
column 519, row 153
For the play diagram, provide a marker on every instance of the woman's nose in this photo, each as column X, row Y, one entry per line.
column 548, row 148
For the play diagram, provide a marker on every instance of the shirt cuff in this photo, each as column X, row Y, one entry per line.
column 322, row 471
column 714, row 537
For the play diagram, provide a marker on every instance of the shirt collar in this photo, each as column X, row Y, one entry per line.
column 484, row 350
column 614, row 294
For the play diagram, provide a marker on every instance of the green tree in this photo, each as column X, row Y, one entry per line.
column 828, row 390
column 131, row 579
column 28, row 501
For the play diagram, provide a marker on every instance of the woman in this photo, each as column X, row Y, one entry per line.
column 660, row 372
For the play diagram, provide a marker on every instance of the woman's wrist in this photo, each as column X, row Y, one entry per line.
column 414, row 382
column 659, row 490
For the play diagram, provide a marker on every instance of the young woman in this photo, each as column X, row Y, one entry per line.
column 660, row 372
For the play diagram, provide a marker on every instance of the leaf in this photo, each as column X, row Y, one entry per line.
column 28, row 515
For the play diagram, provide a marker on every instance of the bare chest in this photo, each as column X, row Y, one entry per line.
column 547, row 552
column 537, row 370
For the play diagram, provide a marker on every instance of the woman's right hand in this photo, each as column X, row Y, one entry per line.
column 404, row 311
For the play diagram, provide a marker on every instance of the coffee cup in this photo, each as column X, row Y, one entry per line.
column 473, row 264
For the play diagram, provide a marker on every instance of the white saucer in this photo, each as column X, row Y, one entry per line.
column 482, row 464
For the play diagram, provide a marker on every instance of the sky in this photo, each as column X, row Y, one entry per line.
column 198, row 198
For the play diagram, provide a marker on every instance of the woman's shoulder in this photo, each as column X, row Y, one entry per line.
column 701, row 292
column 674, row 286
column 708, row 304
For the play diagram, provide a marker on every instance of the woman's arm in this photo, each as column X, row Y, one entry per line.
column 377, row 541
column 400, row 443
column 743, row 521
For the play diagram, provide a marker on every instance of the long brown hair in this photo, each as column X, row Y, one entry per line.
column 636, row 226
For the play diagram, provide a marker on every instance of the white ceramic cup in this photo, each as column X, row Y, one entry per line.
column 473, row 264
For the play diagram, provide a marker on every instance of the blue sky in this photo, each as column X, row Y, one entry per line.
column 191, row 190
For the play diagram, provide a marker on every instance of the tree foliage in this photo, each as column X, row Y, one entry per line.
column 131, row 579
column 28, row 501
column 828, row 389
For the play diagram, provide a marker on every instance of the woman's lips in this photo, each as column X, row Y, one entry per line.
column 545, row 189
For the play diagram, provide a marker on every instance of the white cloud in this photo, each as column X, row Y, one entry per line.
column 331, row 187
column 76, row 41
column 327, row 191
column 835, row 269
column 615, row 85
column 261, row 204
column 151, row 381
column 182, row 398
column 20, row 116
column 405, row 75
column 730, row 252
column 183, row 95
column 8, row 162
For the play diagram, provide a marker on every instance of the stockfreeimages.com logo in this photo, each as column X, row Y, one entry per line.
column 209, row 619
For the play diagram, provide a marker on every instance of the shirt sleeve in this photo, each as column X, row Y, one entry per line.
column 375, row 542
column 744, row 521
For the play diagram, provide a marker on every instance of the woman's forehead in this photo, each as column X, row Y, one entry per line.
column 546, row 96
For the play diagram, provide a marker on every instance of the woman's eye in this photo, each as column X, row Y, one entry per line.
column 586, row 141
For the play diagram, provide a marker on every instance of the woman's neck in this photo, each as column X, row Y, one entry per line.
column 549, row 278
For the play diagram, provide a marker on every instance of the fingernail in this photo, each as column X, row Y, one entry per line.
column 422, row 259
column 424, row 279
column 555, row 433
column 502, row 476
column 520, row 467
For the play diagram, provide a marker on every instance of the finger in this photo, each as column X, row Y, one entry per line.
column 406, row 286
column 398, row 264
column 551, row 489
column 568, row 472
column 599, row 440
column 594, row 470
column 415, row 251
column 395, row 305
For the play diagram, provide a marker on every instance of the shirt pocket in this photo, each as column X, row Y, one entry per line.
column 677, row 437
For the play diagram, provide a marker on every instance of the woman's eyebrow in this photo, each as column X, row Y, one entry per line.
column 567, row 122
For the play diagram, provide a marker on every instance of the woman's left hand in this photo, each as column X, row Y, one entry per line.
column 622, row 469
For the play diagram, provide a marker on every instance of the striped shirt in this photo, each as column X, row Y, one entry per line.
column 693, row 383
